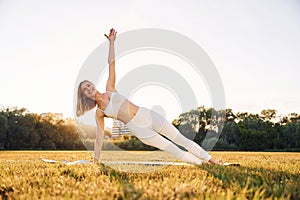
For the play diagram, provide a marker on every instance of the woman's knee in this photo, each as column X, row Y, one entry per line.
column 158, row 121
column 157, row 141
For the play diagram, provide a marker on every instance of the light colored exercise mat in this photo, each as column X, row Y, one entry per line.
column 115, row 162
column 143, row 163
column 231, row 164
column 67, row 162
column 152, row 163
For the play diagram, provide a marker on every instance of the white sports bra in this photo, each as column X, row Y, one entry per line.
column 113, row 107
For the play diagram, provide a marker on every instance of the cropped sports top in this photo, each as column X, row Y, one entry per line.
column 113, row 107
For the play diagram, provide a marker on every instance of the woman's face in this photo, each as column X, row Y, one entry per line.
column 88, row 89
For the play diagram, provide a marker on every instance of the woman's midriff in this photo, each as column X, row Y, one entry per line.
column 127, row 111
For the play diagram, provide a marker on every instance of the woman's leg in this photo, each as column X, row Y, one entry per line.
column 145, row 125
column 161, row 125
column 162, row 143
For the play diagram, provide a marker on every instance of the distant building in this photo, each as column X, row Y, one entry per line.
column 118, row 129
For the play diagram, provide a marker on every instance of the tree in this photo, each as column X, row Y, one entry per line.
column 294, row 117
column 230, row 134
column 21, row 128
column 28, row 122
column 47, row 132
column 291, row 134
column 230, row 116
column 3, row 130
column 240, row 116
column 268, row 115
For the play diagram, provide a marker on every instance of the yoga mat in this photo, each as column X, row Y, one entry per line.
column 128, row 162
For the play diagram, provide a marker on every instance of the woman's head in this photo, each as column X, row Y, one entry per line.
column 85, row 97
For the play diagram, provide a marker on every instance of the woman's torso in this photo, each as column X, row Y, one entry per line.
column 115, row 105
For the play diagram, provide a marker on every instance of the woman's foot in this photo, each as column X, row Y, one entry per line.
column 215, row 162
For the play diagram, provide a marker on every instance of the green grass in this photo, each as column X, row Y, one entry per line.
column 260, row 176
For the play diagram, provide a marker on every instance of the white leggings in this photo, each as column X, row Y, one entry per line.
column 148, row 126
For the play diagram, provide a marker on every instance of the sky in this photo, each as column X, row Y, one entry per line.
column 254, row 44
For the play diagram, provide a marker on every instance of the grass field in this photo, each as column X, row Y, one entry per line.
column 260, row 176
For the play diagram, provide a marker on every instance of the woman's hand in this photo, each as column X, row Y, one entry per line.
column 112, row 35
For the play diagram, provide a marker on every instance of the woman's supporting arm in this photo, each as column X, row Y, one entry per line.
column 99, row 136
column 110, row 85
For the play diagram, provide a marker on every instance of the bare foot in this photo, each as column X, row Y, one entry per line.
column 215, row 162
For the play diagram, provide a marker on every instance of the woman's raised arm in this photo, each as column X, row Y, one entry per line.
column 110, row 85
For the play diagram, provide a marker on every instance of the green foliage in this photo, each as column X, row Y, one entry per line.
column 3, row 130
column 23, row 130
column 130, row 143
column 241, row 131
column 223, row 130
column 291, row 135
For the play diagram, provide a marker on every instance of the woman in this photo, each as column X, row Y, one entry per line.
column 145, row 124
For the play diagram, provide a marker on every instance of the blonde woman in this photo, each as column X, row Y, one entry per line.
column 145, row 124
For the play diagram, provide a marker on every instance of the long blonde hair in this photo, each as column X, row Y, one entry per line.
column 84, row 103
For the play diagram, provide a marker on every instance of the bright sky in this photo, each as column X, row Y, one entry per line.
column 254, row 44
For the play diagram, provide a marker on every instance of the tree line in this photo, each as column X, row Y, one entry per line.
column 241, row 131
column 222, row 130
column 20, row 129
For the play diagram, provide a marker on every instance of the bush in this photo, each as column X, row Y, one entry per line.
column 48, row 145
column 131, row 143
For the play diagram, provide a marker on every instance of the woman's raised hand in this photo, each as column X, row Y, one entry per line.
column 112, row 35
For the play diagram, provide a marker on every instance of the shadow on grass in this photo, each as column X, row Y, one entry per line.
column 270, row 183
column 129, row 190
